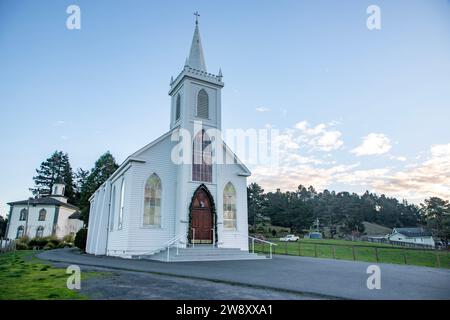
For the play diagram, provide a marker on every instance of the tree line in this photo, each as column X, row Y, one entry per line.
column 299, row 209
column 80, row 185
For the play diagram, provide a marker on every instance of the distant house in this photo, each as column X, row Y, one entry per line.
column 418, row 236
column 42, row 217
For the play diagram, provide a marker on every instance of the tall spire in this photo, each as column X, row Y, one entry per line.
column 196, row 58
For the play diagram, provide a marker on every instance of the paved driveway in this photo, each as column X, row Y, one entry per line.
column 311, row 276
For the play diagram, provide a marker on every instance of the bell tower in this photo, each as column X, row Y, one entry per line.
column 195, row 93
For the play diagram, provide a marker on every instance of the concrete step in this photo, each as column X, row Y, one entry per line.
column 203, row 253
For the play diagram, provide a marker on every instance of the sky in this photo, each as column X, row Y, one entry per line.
column 357, row 109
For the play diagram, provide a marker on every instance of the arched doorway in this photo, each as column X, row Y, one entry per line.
column 202, row 220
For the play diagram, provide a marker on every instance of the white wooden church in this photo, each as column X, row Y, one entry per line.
column 152, row 207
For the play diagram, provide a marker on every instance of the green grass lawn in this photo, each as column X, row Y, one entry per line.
column 359, row 250
column 24, row 277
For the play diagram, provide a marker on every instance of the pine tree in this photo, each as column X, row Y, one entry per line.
column 57, row 166
column 104, row 167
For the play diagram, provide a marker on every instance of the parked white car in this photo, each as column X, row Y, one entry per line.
column 289, row 238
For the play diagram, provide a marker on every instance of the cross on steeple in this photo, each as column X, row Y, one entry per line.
column 196, row 14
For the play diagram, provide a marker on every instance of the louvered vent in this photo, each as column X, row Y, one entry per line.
column 202, row 105
column 178, row 106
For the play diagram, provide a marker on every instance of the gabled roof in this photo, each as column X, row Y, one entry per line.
column 75, row 215
column 43, row 201
column 413, row 232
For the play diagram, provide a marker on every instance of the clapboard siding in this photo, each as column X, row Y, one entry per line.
column 157, row 160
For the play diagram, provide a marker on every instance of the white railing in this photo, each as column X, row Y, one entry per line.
column 166, row 245
column 263, row 241
column 253, row 239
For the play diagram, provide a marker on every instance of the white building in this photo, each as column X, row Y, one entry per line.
column 153, row 200
column 42, row 217
column 418, row 236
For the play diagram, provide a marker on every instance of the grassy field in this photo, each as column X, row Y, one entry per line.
column 360, row 251
column 24, row 277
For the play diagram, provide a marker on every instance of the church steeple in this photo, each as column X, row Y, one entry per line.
column 196, row 94
column 196, row 58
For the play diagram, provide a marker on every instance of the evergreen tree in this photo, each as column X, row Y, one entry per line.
column 91, row 180
column 3, row 224
column 437, row 214
column 57, row 166
column 256, row 203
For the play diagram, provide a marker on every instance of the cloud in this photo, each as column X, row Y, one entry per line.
column 320, row 137
column 262, row 109
column 414, row 181
column 301, row 160
column 373, row 144
column 59, row 123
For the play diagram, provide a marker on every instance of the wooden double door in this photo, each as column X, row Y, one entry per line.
column 202, row 218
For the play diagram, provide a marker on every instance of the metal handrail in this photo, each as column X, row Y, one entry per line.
column 260, row 240
column 263, row 241
column 176, row 239
column 166, row 244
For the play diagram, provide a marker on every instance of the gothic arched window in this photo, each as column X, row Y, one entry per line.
column 42, row 214
column 178, row 108
column 23, row 215
column 152, row 201
column 40, row 232
column 19, row 232
column 122, row 204
column 202, row 158
column 202, row 104
column 229, row 206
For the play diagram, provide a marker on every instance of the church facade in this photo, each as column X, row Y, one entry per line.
column 163, row 192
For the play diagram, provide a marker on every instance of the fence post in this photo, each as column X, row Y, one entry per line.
column 285, row 247
column 315, row 250
column 376, row 254
column 299, row 248
column 438, row 260
column 334, row 252
column 353, row 253
column 404, row 256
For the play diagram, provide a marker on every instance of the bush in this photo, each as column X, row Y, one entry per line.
column 64, row 245
column 43, row 242
column 68, row 239
column 21, row 245
column 81, row 238
column 49, row 246
column 38, row 242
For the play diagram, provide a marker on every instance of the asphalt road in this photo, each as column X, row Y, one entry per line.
column 133, row 285
column 311, row 277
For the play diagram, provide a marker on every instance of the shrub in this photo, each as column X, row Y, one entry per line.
column 38, row 242
column 64, row 245
column 54, row 241
column 49, row 246
column 69, row 238
column 21, row 245
column 81, row 238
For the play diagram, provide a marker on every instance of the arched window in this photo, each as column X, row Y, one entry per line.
column 152, row 201
column 40, row 232
column 122, row 203
column 19, row 232
column 112, row 208
column 229, row 206
column 23, row 215
column 178, row 108
column 42, row 214
column 202, row 158
column 202, row 104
